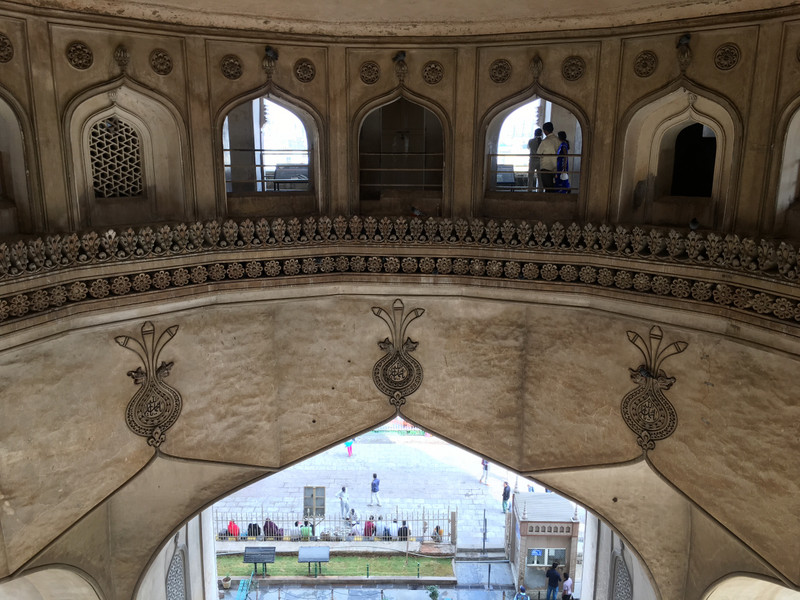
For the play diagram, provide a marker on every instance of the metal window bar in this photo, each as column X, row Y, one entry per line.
column 518, row 182
column 265, row 168
column 332, row 528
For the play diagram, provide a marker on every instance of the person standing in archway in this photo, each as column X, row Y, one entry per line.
column 547, row 152
column 562, row 163
column 533, row 159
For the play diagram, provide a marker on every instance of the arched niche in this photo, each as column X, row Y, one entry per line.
column 164, row 195
column 54, row 583
column 648, row 156
column 401, row 142
column 16, row 212
column 787, row 198
column 493, row 199
column 265, row 197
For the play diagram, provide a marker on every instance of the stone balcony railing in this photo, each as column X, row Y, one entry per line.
column 749, row 280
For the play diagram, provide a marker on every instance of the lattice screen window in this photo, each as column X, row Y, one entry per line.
column 176, row 578
column 115, row 152
column 623, row 588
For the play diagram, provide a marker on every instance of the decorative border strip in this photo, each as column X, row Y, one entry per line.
column 764, row 258
column 722, row 295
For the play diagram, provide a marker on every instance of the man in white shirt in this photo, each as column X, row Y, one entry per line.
column 548, row 151
column 566, row 588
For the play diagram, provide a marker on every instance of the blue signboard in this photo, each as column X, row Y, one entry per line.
column 536, row 552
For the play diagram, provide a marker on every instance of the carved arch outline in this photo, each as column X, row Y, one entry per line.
column 357, row 121
column 317, row 135
column 663, row 113
column 785, row 173
column 495, row 116
column 26, row 193
column 165, row 126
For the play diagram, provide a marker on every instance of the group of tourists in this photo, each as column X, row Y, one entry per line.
column 548, row 165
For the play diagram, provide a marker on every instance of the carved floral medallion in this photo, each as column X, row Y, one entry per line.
column 573, row 68
column 646, row 410
column 370, row 72
column 727, row 56
column 6, row 49
column 80, row 55
column 156, row 406
column 397, row 374
column 161, row 61
column 645, row 63
column 500, row 70
column 231, row 66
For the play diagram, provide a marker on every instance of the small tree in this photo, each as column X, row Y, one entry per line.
column 433, row 592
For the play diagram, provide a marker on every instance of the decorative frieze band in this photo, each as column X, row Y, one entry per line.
column 568, row 272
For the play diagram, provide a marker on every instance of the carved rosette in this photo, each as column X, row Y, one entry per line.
column 156, row 406
column 646, row 410
column 161, row 61
column 231, row 66
column 432, row 72
column 397, row 374
column 573, row 68
column 500, row 70
column 80, row 55
column 370, row 72
column 304, row 70
column 6, row 49
column 726, row 57
column 645, row 63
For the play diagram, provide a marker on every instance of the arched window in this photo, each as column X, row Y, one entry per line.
column 693, row 161
column 116, row 158
column 13, row 182
column 401, row 160
column 787, row 206
column 266, row 149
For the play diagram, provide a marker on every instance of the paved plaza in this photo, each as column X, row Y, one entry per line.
column 415, row 472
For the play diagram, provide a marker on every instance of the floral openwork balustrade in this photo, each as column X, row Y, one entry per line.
column 756, row 279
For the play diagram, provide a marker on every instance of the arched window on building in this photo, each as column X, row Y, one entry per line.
column 787, row 206
column 267, row 147
column 13, row 181
column 116, row 158
column 514, row 174
column 694, row 152
column 401, row 160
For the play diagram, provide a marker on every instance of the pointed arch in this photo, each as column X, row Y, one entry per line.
column 441, row 205
column 21, row 208
column 51, row 583
column 314, row 199
column 784, row 216
column 166, row 182
column 484, row 202
column 646, row 158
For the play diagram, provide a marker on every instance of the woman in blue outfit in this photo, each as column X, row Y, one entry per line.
column 562, row 164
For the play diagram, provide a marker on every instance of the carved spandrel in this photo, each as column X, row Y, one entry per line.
column 397, row 374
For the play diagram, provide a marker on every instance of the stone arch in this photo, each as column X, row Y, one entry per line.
column 786, row 214
column 647, row 151
column 441, row 206
column 163, row 144
column 51, row 583
column 315, row 200
column 487, row 136
column 20, row 208
column 749, row 586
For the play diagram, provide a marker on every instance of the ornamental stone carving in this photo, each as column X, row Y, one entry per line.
column 500, row 70
column 6, row 49
column 432, row 72
column 156, row 406
column 370, row 72
column 684, row 52
column 623, row 587
column 397, row 374
column 400, row 66
column 573, row 68
column 726, row 57
column 646, row 410
column 122, row 57
column 304, row 70
column 537, row 66
column 645, row 63
column 269, row 61
column 161, row 61
column 231, row 66
column 80, row 55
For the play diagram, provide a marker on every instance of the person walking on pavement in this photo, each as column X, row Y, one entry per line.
column 375, row 489
column 552, row 582
column 485, row 473
column 344, row 502
column 349, row 445
column 566, row 588
column 521, row 595
column 506, row 497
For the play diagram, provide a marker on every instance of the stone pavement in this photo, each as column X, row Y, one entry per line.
column 415, row 472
